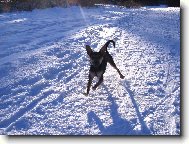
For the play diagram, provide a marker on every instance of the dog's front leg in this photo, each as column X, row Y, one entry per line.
column 98, row 83
column 111, row 62
column 89, row 82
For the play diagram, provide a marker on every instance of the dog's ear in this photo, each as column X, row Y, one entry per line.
column 89, row 50
column 103, row 49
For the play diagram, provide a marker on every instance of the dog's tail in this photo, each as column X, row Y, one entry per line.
column 104, row 48
column 108, row 42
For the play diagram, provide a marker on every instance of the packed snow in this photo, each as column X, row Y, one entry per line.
column 44, row 71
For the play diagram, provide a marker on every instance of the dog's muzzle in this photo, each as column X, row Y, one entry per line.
column 96, row 63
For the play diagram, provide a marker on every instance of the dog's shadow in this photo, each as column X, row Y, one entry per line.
column 120, row 126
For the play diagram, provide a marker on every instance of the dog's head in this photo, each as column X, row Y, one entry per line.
column 96, row 58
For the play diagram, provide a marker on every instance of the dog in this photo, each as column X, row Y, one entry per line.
column 98, row 61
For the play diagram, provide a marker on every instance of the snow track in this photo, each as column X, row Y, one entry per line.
column 44, row 70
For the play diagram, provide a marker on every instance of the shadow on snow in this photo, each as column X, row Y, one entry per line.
column 120, row 126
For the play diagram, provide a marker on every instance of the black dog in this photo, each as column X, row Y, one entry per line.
column 98, row 62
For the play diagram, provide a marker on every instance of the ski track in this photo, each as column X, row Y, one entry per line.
column 44, row 70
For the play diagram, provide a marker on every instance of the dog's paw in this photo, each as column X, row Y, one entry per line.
column 85, row 94
column 122, row 77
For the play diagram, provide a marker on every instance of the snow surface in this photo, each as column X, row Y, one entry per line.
column 44, row 71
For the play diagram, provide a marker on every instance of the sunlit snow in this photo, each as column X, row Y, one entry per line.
column 44, row 72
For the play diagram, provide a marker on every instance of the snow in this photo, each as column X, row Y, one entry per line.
column 44, row 70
